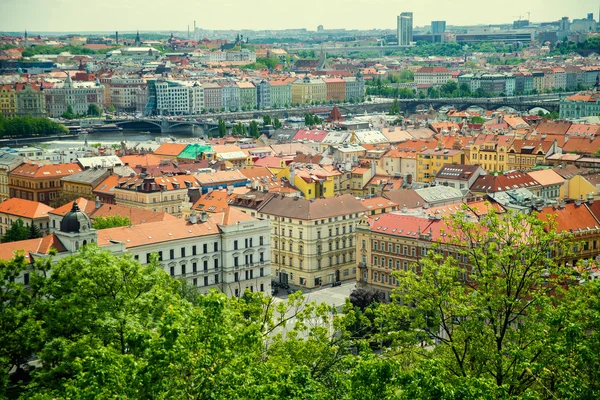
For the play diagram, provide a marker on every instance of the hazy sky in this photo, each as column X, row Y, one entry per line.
column 127, row 15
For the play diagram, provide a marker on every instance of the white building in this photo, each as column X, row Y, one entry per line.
column 179, row 97
column 228, row 252
column 435, row 76
column 78, row 95
column 125, row 93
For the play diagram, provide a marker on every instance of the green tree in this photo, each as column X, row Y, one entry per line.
column 253, row 129
column 395, row 108
column 34, row 231
column 112, row 109
column 498, row 322
column 69, row 114
column 17, row 231
column 111, row 221
column 276, row 123
column 477, row 120
column 267, row 120
column 222, row 128
column 94, row 110
column 21, row 329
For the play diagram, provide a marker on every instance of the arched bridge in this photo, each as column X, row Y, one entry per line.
column 519, row 103
column 166, row 125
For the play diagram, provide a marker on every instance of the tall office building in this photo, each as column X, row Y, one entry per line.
column 405, row 28
column 438, row 27
column 565, row 25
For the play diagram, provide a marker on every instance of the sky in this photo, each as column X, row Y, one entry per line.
column 148, row 15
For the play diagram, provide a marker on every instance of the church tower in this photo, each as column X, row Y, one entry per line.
column 138, row 41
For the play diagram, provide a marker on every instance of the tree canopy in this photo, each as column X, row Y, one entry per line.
column 111, row 221
column 492, row 311
column 29, row 126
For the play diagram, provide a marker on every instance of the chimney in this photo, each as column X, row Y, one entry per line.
column 292, row 175
column 203, row 216
column 98, row 202
column 193, row 217
column 229, row 190
column 373, row 168
column 590, row 198
column 579, row 201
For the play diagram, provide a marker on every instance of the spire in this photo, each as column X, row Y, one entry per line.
column 138, row 41
column 68, row 81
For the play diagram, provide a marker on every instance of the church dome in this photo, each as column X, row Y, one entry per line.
column 75, row 221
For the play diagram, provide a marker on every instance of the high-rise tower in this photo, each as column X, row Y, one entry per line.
column 405, row 28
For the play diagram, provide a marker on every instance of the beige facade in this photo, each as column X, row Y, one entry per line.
column 312, row 242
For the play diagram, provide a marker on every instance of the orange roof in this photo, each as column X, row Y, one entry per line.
column 216, row 201
column 256, row 173
column 158, row 232
column 46, row 171
column 143, row 160
column 108, row 184
column 376, row 203
column 136, row 216
column 24, row 208
column 39, row 245
column 570, row 218
column 170, row 149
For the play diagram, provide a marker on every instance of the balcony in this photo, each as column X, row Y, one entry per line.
column 362, row 265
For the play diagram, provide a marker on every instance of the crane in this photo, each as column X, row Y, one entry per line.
column 518, row 16
column 529, row 16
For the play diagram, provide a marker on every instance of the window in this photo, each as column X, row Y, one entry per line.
column 236, row 261
column 216, row 263
column 216, row 246
column 172, row 271
column 160, row 258
column 194, row 267
column 205, row 263
column 194, row 250
column 261, row 256
column 375, row 260
column 235, row 244
column 183, row 269
column 26, row 278
column 364, row 244
column 206, row 281
column 290, row 232
column 205, row 248
column 413, row 251
column 405, row 250
column 195, row 281
column 260, row 241
column 236, row 277
column 183, row 252
column 216, row 279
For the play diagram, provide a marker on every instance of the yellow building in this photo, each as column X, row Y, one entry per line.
column 307, row 90
column 83, row 183
column 491, row 152
column 430, row 161
column 311, row 179
column 525, row 154
column 579, row 187
column 312, row 242
column 157, row 194
column 8, row 101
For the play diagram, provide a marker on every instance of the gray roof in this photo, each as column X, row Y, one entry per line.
column 437, row 194
column 311, row 210
column 7, row 159
column 91, row 176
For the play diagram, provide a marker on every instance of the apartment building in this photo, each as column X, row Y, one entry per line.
column 430, row 162
column 167, row 194
column 247, row 95
column 78, row 95
column 281, row 93
column 39, row 182
column 336, row 89
column 435, row 76
column 8, row 162
column 312, row 242
column 179, row 97
column 309, row 90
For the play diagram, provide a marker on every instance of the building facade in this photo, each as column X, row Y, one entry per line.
column 312, row 242
column 78, row 95
column 40, row 183
column 405, row 29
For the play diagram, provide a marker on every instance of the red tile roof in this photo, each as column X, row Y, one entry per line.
column 504, row 182
column 45, row 171
column 24, row 208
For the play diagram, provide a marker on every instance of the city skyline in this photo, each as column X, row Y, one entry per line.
column 66, row 15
